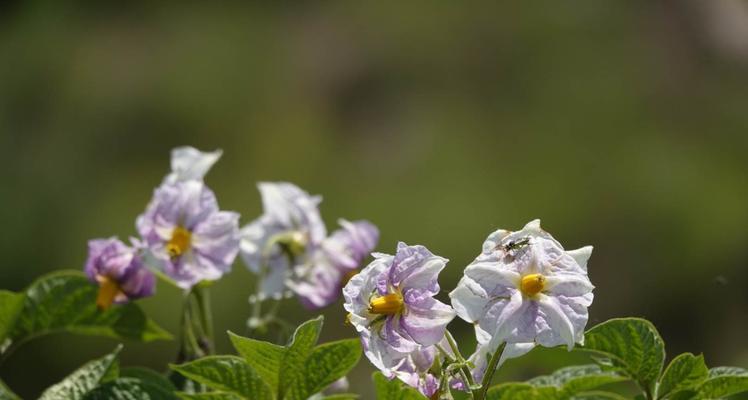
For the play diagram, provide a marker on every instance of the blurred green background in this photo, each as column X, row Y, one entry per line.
column 620, row 124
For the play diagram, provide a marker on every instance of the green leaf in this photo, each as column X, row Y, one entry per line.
column 723, row 382
column 687, row 394
column 130, row 389
column 300, row 369
column 394, row 389
column 598, row 395
column 85, row 378
column 326, row 364
column 523, row 391
column 686, row 371
column 66, row 302
column 265, row 358
column 632, row 344
column 226, row 374
column 208, row 396
column 341, row 396
column 291, row 377
column 149, row 376
column 10, row 308
column 6, row 393
column 577, row 379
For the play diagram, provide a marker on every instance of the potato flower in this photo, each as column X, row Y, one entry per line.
column 289, row 232
column 525, row 288
column 392, row 299
column 318, row 281
column 119, row 271
column 187, row 234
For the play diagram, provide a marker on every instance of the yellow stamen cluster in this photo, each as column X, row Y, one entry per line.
column 532, row 284
column 108, row 291
column 180, row 242
column 389, row 304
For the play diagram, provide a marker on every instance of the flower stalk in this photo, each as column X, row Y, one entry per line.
column 197, row 324
column 464, row 369
column 492, row 366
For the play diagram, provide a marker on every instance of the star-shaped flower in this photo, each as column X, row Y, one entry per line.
column 525, row 288
column 393, row 297
column 191, row 239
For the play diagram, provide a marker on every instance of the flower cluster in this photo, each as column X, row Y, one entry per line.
column 523, row 290
column 288, row 247
column 184, row 235
column 187, row 238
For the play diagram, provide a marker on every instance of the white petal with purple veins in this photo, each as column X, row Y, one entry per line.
column 427, row 320
column 558, row 321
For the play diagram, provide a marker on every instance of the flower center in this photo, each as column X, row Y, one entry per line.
column 532, row 284
column 179, row 243
column 108, row 290
column 296, row 243
column 389, row 304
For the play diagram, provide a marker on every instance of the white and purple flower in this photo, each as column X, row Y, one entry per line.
column 187, row 234
column 318, row 281
column 287, row 234
column 391, row 304
column 394, row 296
column 526, row 289
column 119, row 271
column 414, row 368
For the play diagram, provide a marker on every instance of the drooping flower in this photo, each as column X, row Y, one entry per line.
column 289, row 231
column 189, row 163
column 394, row 298
column 413, row 369
column 119, row 271
column 525, row 288
column 318, row 281
column 187, row 233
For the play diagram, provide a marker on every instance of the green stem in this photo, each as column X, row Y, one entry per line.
column 492, row 364
column 202, row 297
column 465, row 371
column 190, row 348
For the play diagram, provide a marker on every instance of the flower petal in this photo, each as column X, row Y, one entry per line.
column 502, row 317
column 415, row 260
column 397, row 337
column 217, row 237
column 289, row 206
column 568, row 284
column 557, row 320
column 189, row 163
column 427, row 320
column 495, row 278
column 469, row 300
column 426, row 276
column 493, row 241
column 581, row 255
